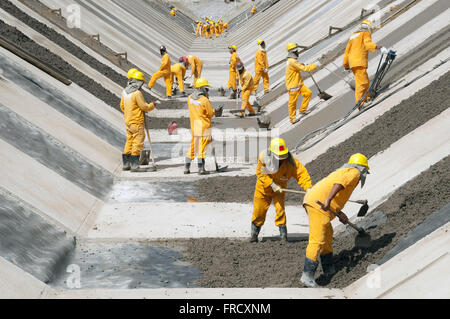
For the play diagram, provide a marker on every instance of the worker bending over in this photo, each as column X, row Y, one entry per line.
column 179, row 71
column 246, row 89
column 200, row 113
column 333, row 192
column 133, row 106
column 261, row 67
column 275, row 167
column 294, row 82
column 195, row 64
column 232, row 79
column 356, row 58
column 164, row 71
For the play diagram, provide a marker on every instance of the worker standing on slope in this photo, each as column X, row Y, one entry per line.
column 179, row 71
column 198, row 29
column 356, row 58
column 333, row 192
column 261, row 67
column 233, row 74
column 246, row 89
column 164, row 71
column 195, row 64
column 200, row 113
column 294, row 82
column 172, row 12
column 275, row 167
column 133, row 106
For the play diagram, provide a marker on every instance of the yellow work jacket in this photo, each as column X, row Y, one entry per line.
column 200, row 113
column 347, row 177
column 267, row 174
column 357, row 50
column 261, row 62
column 165, row 64
column 293, row 76
column 233, row 60
column 194, row 62
column 246, row 80
column 133, row 107
column 178, row 69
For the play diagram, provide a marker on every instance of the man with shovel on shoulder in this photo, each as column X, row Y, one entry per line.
column 327, row 196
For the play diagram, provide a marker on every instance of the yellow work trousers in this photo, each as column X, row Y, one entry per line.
column 167, row 80
column 320, row 233
column 362, row 82
column 261, row 203
column 198, row 146
column 245, row 95
column 135, row 139
column 197, row 73
column 179, row 77
column 265, row 76
column 293, row 98
column 232, row 80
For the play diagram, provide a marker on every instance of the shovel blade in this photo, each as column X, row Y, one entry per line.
column 325, row 96
column 363, row 240
column 221, row 169
column 363, row 210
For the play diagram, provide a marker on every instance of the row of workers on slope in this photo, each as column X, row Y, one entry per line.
column 210, row 28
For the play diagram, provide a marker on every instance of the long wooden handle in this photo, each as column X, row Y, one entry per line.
column 348, row 222
column 148, row 136
column 292, row 191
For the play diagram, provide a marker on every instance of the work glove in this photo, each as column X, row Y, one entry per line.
column 346, row 68
column 384, row 50
column 266, row 70
column 276, row 188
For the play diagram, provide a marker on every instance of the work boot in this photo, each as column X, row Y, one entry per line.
column 183, row 94
column 134, row 161
column 126, row 162
column 254, row 233
column 169, row 97
column 327, row 264
column 187, row 167
column 233, row 95
column 201, row 167
column 283, row 233
column 309, row 269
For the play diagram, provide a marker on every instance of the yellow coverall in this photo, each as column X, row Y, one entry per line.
column 200, row 113
column 226, row 26
column 172, row 12
column 198, row 30
column 253, row 11
column 164, row 71
column 295, row 86
column 261, row 64
column 320, row 229
column 179, row 71
column 133, row 107
column 233, row 73
column 264, row 193
column 356, row 58
column 196, row 67
column 217, row 29
column 246, row 89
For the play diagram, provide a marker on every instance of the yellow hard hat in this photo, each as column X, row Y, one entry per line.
column 368, row 23
column 291, row 46
column 359, row 159
column 233, row 47
column 131, row 71
column 278, row 147
column 201, row 83
column 260, row 41
column 138, row 76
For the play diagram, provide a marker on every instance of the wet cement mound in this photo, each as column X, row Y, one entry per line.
column 376, row 137
column 237, row 263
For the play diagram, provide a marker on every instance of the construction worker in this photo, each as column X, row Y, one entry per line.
column 333, row 192
column 198, row 29
column 233, row 74
column 261, row 67
column 253, row 10
column 225, row 25
column 200, row 113
column 246, row 89
column 164, row 71
column 221, row 26
column 179, row 71
column 276, row 166
column 195, row 64
column 172, row 12
column 217, row 29
column 356, row 58
column 133, row 106
column 294, row 82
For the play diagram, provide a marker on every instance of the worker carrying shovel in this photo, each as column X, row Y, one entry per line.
column 331, row 193
column 133, row 106
column 275, row 167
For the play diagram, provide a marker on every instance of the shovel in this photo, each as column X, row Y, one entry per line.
column 149, row 142
column 350, row 84
column 362, row 210
column 218, row 169
column 362, row 240
column 322, row 94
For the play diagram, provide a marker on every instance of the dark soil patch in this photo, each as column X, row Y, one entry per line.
column 376, row 137
column 237, row 263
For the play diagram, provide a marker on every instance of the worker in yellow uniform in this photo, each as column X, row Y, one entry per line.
column 200, row 113
column 276, row 166
column 221, row 26
column 246, row 89
column 164, row 71
column 294, row 82
column 217, row 29
column 232, row 79
column 225, row 25
column 356, row 58
column 195, row 64
column 133, row 106
column 253, row 10
column 179, row 71
column 333, row 192
column 172, row 12
column 261, row 67
column 198, row 29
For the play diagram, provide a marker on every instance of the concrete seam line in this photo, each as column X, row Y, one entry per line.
column 83, row 223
